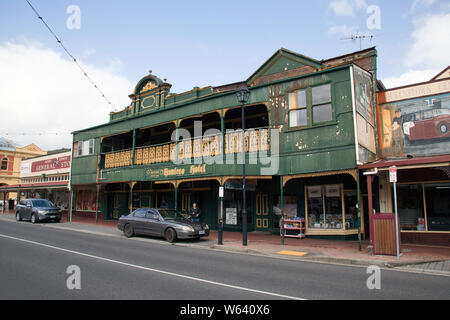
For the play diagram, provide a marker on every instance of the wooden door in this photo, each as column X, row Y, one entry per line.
column 262, row 212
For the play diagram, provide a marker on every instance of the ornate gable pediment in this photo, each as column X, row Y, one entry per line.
column 148, row 86
column 148, row 83
column 283, row 61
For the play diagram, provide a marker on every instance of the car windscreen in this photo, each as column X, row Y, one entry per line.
column 169, row 214
column 42, row 203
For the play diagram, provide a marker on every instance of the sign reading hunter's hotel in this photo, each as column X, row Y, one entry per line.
column 51, row 164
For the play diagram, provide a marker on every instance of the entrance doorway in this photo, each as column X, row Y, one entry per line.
column 262, row 212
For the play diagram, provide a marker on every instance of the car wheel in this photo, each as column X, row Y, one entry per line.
column 128, row 230
column 33, row 218
column 18, row 217
column 171, row 235
column 443, row 128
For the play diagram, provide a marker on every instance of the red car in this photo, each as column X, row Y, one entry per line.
column 429, row 124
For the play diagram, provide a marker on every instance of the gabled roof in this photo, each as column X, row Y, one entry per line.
column 442, row 75
column 283, row 60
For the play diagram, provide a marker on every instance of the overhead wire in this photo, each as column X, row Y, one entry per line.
column 70, row 55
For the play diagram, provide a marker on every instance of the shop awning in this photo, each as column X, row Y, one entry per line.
column 409, row 163
column 34, row 186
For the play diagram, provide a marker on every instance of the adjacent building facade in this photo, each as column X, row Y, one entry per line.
column 309, row 124
column 45, row 177
column 11, row 157
column 414, row 136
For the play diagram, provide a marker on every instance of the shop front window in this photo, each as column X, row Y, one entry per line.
column 410, row 204
column 325, row 207
column 437, row 198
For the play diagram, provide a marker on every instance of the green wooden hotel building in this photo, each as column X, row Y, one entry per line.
column 308, row 125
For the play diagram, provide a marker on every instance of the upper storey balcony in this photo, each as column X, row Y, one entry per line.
column 187, row 140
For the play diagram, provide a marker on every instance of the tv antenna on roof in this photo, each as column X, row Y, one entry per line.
column 354, row 37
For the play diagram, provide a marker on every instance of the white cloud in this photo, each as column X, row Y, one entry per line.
column 428, row 53
column 342, row 8
column 410, row 77
column 342, row 30
column 430, row 46
column 417, row 3
column 88, row 52
column 45, row 94
column 346, row 8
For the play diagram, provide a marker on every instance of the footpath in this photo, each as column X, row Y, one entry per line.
column 414, row 258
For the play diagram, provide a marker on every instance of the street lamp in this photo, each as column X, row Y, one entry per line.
column 242, row 96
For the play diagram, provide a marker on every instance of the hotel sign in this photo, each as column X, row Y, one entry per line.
column 177, row 171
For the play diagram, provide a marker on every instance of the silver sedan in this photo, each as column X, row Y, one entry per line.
column 167, row 223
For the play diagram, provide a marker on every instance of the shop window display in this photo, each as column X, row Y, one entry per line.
column 325, row 207
column 410, row 204
column 86, row 200
column 437, row 197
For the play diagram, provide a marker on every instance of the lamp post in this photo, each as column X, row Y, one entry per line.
column 242, row 96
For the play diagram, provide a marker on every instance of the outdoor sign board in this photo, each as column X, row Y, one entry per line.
column 364, row 115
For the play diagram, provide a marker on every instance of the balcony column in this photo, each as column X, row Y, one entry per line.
column 131, row 184
column 282, row 209
column 4, row 202
column 96, row 203
column 133, row 148
column 222, row 129
column 176, row 194
column 177, row 125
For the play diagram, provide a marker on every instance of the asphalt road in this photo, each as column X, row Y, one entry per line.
column 34, row 260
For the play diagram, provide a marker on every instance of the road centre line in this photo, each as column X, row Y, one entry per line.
column 155, row 270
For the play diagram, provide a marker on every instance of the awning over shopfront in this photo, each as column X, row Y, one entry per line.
column 422, row 193
column 409, row 163
column 33, row 186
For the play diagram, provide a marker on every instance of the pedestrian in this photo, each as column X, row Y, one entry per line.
column 195, row 212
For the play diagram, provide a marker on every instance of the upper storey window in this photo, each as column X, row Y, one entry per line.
column 310, row 106
column 4, row 164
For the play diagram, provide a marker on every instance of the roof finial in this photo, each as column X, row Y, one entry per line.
column 150, row 71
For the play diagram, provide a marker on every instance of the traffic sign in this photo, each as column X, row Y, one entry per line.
column 393, row 174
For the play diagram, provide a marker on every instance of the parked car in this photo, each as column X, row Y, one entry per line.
column 37, row 210
column 167, row 223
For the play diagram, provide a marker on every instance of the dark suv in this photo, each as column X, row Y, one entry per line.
column 37, row 210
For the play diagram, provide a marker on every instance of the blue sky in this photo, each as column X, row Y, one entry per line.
column 201, row 43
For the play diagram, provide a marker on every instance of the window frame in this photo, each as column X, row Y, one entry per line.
column 84, row 148
column 297, row 108
column 310, row 107
column 4, row 162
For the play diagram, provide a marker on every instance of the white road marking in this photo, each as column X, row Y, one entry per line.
column 155, row 270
